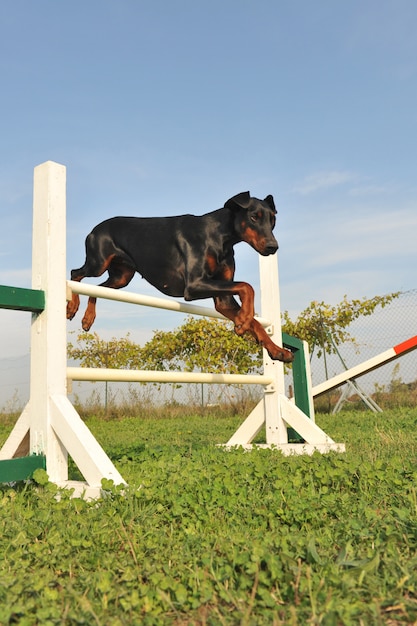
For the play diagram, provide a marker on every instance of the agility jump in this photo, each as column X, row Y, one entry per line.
column 50, row 426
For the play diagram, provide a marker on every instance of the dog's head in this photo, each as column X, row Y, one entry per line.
column 254, row 221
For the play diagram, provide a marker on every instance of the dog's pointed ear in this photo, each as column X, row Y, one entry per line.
column 270, row 202
column 241, row 200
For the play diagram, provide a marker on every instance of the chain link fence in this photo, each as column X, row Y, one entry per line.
column 394, row 384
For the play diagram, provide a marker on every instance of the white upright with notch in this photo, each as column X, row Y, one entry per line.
column 275, row 411
column 54, row 427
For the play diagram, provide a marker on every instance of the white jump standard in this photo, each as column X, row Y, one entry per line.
column 54, row 427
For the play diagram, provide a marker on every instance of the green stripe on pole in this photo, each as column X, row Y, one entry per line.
column 20, row 299
column 22, row 468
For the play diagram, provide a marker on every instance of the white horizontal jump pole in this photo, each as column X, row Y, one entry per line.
column 96, row 291
column 144, row 376
column 367, row 366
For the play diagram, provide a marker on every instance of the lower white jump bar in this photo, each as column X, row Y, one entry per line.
column 143, row 376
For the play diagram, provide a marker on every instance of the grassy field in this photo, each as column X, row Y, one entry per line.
column 205, row 536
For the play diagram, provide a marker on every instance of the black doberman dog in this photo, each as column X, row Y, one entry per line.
column 186, row 256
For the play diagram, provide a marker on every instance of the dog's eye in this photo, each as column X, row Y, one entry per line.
column 254, row 218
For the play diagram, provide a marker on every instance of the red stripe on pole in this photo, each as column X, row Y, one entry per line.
column 406, row 345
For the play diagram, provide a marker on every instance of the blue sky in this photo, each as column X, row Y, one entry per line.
column 161, row 107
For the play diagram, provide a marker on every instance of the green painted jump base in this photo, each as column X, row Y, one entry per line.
column 22, row 468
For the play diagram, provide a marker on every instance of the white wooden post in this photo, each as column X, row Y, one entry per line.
column 33, row 432
column 55, row 429
column 48, row 335
column 275, row 411
column 276, row 428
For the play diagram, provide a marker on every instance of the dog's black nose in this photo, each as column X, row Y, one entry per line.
column 271, row 249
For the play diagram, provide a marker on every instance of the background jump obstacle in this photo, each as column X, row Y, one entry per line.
column 50, row 427
column 367, row 366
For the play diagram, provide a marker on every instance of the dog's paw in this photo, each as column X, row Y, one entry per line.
column 72, row 309
column 281, row 354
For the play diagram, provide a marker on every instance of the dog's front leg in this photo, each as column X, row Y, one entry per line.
column 275, row 352
column 241, row 316
column 228, row 307
column 244, row 316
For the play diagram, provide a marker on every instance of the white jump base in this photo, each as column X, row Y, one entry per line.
column 291, row 449
column 50, row 425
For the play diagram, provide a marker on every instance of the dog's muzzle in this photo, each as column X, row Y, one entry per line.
column 270, row 249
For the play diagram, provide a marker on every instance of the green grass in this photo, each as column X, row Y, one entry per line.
column 205, row 536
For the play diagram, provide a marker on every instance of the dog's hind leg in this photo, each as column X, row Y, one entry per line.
column 120, row 275
column 101, row 256
column 77, row 275
column 74, row 304
column 95, row 264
